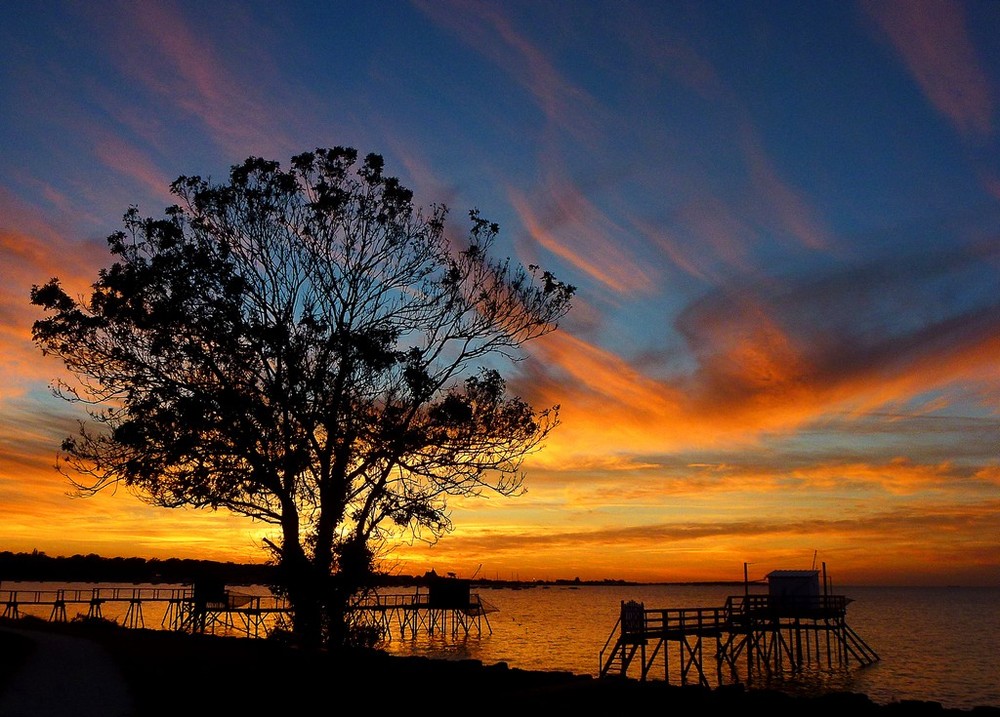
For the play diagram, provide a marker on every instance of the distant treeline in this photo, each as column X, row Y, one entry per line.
column 37, row 566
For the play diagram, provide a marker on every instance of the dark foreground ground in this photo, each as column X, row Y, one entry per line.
column 172, row 673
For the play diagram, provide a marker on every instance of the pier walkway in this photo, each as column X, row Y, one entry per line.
column 57, row 599
column 216, row 609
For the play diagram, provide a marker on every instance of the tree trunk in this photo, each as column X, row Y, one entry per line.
column 303, row 592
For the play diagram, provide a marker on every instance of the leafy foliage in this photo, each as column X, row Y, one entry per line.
column 305, row 348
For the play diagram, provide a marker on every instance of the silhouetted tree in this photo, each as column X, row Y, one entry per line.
column 305, row 348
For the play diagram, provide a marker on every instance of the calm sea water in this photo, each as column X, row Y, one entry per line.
column 934, row 644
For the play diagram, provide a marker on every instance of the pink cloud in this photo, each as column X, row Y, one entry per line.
column 576, row 230
column 131, row 162
column 791, row 211
column 487, row 29
column 705, row 239
column 992, row 184
column 164, row 51
column 933, row 41
column 658, row 48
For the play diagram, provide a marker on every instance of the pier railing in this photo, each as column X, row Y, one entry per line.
column 88, row 595
column 781, row 606
column 94, row 598
column 694, row 620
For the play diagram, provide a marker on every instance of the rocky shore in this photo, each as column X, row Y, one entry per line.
column 169, row 673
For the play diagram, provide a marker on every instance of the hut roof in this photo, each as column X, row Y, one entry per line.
column 792, row 573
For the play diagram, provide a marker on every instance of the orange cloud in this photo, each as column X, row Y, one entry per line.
column 604, row 401
column 38, row 509
column 32, row 252
column 771, row 358
column 631, row 493
column 753, row 383
column 932, row 38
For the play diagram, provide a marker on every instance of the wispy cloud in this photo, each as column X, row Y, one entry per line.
column 704, row 238
column 839, row 336
column 660, row 52
column 792, row 214
column 135, row 165
column 908, row 522
column 604, row 400
column 161, row 48
column 898, row 476
column 932, row 38
column 574, row 229
column 489, row 29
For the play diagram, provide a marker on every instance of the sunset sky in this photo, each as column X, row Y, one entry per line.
column 783, row 220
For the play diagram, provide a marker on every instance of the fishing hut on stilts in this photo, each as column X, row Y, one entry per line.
column 795, row 626
column 447, row 606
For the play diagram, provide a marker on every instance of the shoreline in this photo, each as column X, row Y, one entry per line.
column 168, row 672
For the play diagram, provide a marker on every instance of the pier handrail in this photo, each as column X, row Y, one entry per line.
column 87, row 595
column 602, row 664
column 740, row 607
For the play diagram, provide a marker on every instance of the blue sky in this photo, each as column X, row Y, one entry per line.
column 783, row 219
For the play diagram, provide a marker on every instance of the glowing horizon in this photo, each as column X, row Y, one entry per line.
column 784, row 223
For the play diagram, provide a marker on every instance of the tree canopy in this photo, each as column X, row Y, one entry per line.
column 304, row 347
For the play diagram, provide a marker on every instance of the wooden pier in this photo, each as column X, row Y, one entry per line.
column 215, row 609
column 749, row 638
column 57, row 600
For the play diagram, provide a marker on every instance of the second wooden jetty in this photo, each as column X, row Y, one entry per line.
column 793, row 627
